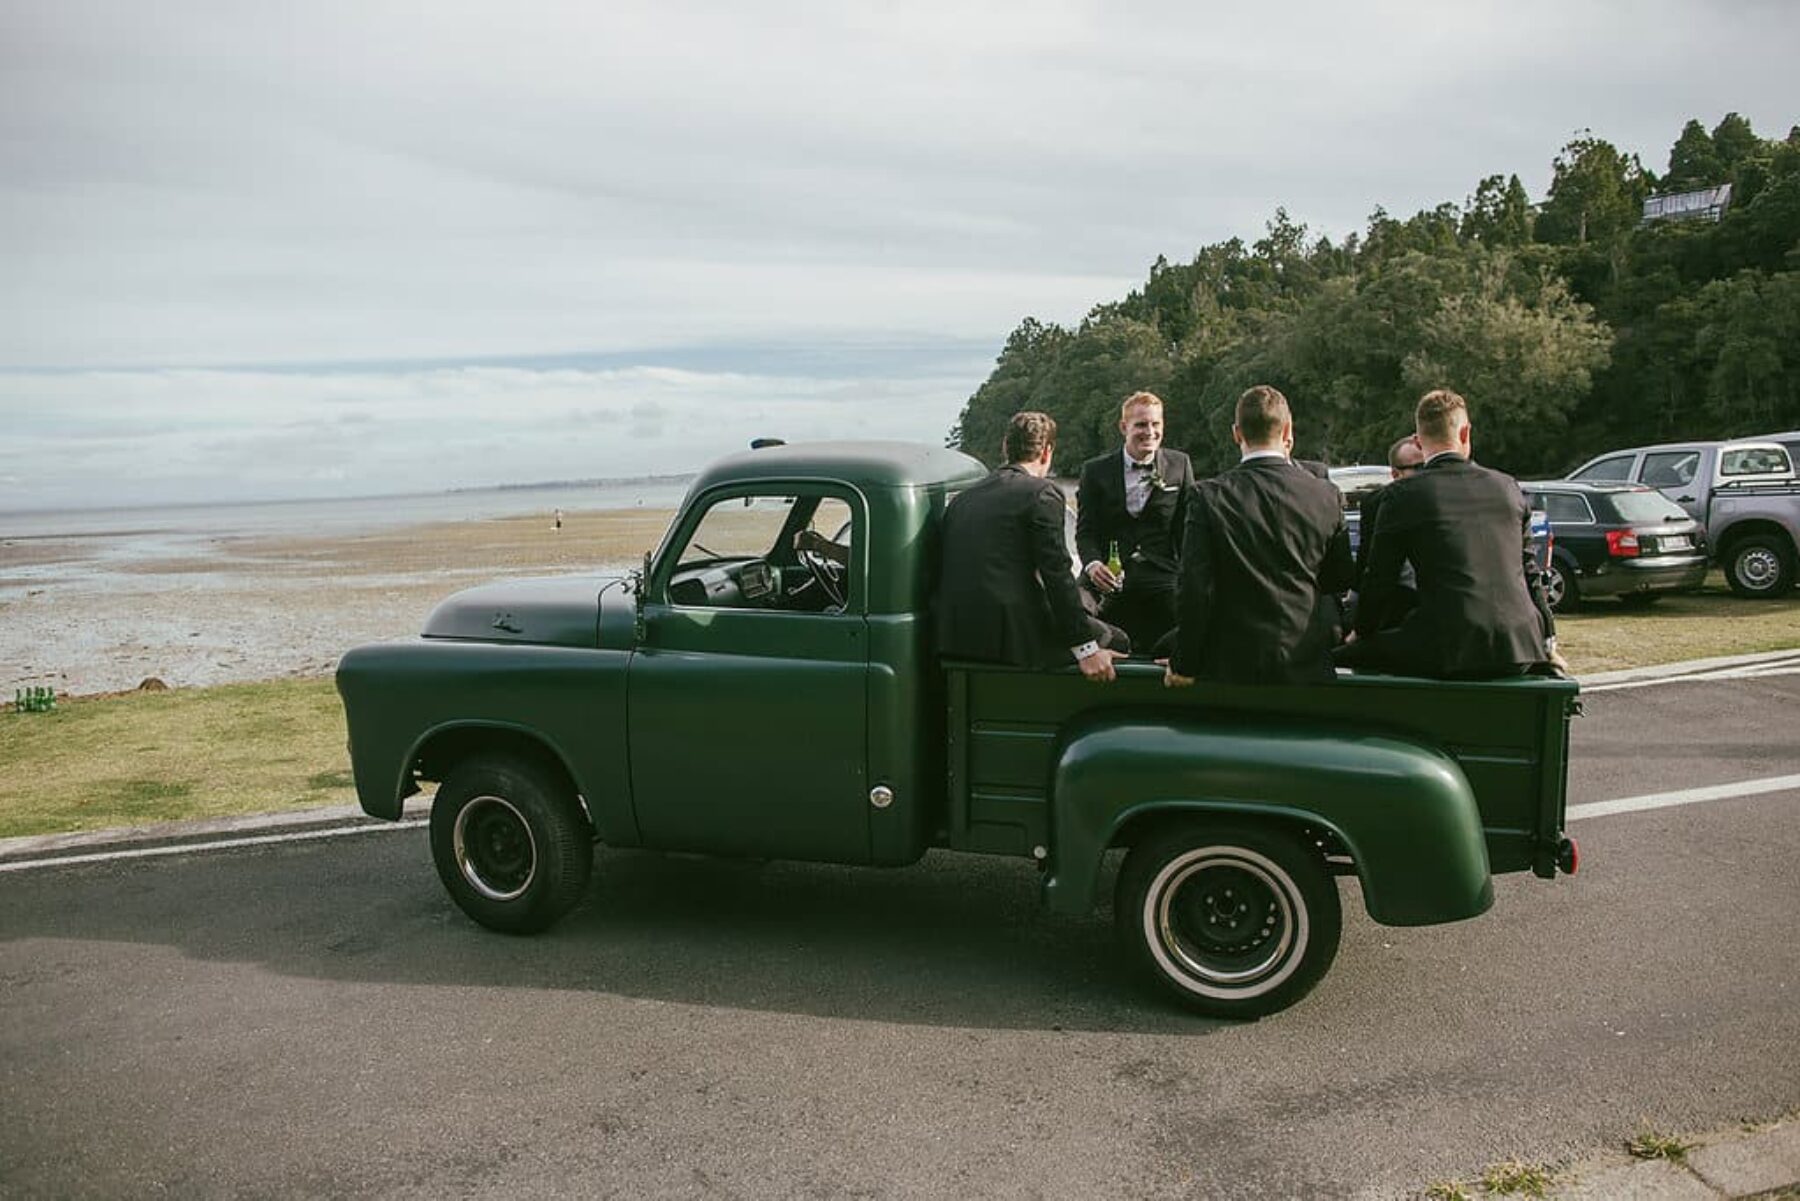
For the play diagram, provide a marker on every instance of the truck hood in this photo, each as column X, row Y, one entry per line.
column 550, row 611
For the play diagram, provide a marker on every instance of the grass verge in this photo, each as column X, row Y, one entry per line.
column 1607, row 636
column 140, row 758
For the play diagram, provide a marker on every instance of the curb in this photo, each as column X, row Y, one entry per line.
column 1722, row 1166
column 1663, row 671
column 200, row 832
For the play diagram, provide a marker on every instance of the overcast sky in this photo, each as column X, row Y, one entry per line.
column 266, row 250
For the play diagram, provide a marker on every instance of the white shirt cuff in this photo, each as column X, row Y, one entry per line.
column 1085, row 650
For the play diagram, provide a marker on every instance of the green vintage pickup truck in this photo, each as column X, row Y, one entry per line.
column 767, row 686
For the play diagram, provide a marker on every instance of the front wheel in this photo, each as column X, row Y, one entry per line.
column 510, row 843
column 1760, row 566
column 1234, row 921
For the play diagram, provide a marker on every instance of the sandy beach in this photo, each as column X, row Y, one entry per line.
column 88, row 615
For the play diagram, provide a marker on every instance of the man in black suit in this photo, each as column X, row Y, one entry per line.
column 1265, row 541
column 1466, row 531
column 1404, row 459
column 1135, row 497
column 1007, row 593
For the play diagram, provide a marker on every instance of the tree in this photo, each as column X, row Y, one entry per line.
column 1694, row 161
column 1016, row 383
column 1748, row 345
column 1734, row 142
column 1498, row 214
column 1596, row 195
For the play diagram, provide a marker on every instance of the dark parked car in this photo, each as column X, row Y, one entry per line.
column 1615, row 539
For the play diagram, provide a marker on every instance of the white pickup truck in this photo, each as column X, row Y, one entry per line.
column 1745, row 492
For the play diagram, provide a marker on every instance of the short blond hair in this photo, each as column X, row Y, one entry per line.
column 1436, row 416
column 1139, row 398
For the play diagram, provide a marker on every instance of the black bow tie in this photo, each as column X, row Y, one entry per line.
column 1150, row 466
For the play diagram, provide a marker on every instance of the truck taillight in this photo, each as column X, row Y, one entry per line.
column 1622, row 544
column 1568, row 857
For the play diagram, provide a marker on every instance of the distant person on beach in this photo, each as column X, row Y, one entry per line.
column 557, row 524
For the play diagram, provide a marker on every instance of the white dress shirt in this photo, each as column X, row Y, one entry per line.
column 1137, row 483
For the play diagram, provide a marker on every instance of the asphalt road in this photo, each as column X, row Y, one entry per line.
column 316, row 1018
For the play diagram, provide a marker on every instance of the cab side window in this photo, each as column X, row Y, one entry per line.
column 1670, row 469
column 1618, row 467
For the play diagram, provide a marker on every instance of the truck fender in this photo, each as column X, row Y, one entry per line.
column 456, row 740
column 1404, row 811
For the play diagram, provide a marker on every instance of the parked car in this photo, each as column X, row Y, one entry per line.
column 1356, row 482
column 1745, row 492
column 1623, row 540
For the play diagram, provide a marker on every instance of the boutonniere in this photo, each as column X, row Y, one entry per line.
column 1157, row 483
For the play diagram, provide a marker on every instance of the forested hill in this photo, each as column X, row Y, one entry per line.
column 1571, row 327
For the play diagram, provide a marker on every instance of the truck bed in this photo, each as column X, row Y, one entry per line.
column 1509, row 738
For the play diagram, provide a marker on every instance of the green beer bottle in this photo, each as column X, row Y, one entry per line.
column 1113, row 563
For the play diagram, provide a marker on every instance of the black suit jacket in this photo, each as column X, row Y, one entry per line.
column 1154, row 536
column 1370, row 509
column 1466, row 530
column 1265, row 540
column 1007, row 591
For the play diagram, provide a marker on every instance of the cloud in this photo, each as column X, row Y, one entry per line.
column 193, row 195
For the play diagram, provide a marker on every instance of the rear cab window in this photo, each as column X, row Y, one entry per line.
column 1754, row 460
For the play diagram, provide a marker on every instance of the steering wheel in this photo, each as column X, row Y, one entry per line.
column 827, row 573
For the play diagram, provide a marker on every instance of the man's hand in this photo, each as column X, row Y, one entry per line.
column 1102, row 578
column 1557, row 661
column 1099, row 666
column 1173, row 678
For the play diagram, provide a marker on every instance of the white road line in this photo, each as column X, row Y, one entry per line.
column 225, row 844
column 1687, row 796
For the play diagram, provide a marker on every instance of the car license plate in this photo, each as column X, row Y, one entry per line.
column 1675, row 542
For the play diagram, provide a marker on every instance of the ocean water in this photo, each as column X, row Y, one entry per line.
column 347, row 515
column 99, row 600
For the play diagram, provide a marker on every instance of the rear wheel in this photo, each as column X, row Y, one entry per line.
column 1560, row 588
column 1760, row 566
column 1233, row 921
column 510, row 843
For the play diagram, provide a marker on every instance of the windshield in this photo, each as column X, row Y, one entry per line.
column 1647, row 506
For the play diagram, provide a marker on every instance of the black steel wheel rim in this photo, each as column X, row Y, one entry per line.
column 494, row 848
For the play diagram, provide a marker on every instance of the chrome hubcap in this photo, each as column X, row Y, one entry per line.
column 494, row 848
